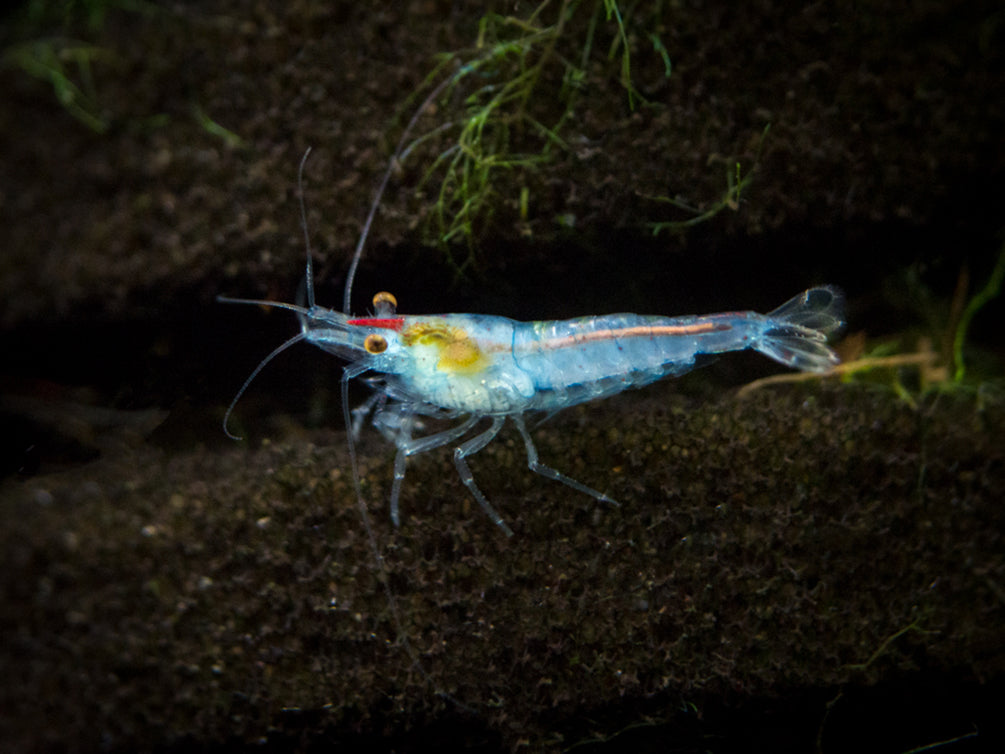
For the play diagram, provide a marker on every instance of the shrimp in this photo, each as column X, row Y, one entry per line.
column 478, row 367
column 473, row 368
column 490, row 368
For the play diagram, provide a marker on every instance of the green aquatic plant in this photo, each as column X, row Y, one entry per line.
column 67, row 65
column 46, row 47
column 978, row 302
column 48, row 40
column 737, row 182
column 518, row 87
column 213, row 128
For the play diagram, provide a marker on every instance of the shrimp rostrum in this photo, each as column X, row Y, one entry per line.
column 476, row 368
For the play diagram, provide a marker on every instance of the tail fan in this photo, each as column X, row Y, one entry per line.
column 795, row 334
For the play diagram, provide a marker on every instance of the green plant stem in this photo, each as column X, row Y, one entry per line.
column 986, row 294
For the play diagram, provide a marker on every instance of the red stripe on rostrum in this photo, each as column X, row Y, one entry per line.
column 388, row 323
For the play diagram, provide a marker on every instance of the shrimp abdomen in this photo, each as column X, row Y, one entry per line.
column 576, row 360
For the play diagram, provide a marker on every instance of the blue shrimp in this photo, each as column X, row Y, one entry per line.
column 475, row 367
column 484, row 367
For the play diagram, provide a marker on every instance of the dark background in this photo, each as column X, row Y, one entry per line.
column 165, row 587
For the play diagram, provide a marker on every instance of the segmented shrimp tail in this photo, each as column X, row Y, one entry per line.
column 795, row 334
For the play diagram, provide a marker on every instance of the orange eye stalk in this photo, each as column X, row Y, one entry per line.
column 384, row 303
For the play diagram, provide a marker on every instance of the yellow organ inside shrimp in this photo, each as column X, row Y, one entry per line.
column 456, row 351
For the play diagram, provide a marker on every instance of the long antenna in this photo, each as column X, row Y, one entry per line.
column 261, row 365
column 303, row 225
column 380, row 193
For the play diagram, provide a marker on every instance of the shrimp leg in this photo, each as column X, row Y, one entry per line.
column 471, row 447
column 539, row 468
column 408, row 446
column 361, row 412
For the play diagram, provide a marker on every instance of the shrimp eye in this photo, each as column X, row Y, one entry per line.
column 385, row 303
column 375, row 343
